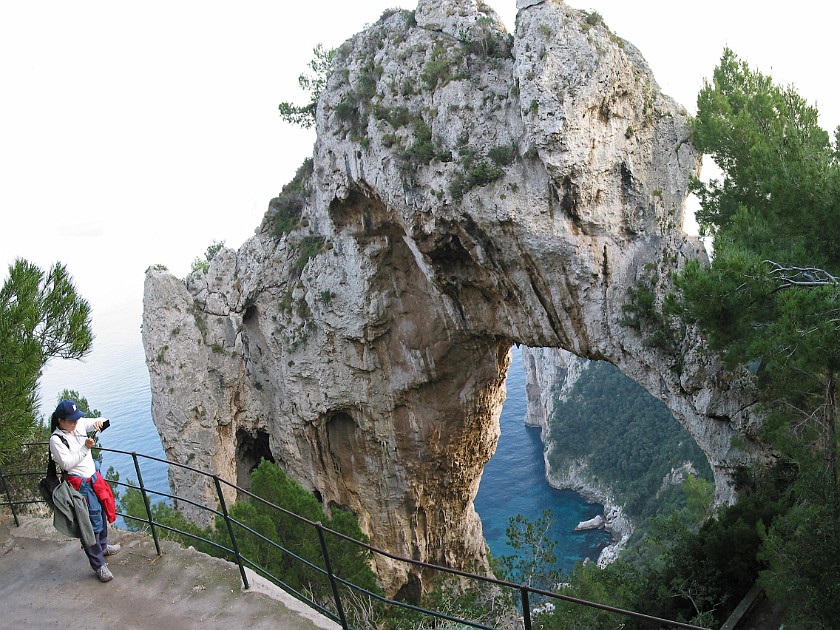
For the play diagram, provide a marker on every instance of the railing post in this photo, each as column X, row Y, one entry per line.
column 526, row 607
column 9, row 495
column 233, row 544
column 329, row 570
column 146, row 501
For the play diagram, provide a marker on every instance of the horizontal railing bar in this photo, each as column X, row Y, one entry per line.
column 23, row 474
column 212, row 543
column 169, row 496
column 31, row 502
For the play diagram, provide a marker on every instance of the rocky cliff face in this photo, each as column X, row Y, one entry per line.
column 469, row 189
column 549, row 374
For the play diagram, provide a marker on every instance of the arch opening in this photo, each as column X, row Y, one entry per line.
column 580, row 438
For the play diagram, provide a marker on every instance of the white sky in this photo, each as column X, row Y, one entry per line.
column 133, row 134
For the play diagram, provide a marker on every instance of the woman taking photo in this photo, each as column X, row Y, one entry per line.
column 70, row 445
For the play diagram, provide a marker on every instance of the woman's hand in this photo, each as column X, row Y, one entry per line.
column 98, row 425
column 89, row 442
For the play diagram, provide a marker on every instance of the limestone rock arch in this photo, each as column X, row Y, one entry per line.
column 469, row 190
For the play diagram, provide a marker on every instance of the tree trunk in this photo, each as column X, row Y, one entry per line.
column 830, row 423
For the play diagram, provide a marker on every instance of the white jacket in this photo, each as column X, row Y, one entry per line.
column 75, row 458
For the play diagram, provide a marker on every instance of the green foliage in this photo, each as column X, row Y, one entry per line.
column 199, row 265
column 687, row 568
column 478, row 171
column 367, row 81
column 593, row 18
column 628, row 438
column 203, row 264
column 484, row 173
column 486, row 42
column 130, row 502
column 422, row 151
column 774, row 156
column 801, row 553
column 534, row 562
column 389, row 12
column 288, row 205
column 395, row 116
column 619, row 584
column 41, row 317
column 441, row 67
column 349, row 561
column 657, row 323
column 769, row 303
column 309, row 247
column 769, row 300
column 304, row 115
column 503, row 155
column 478, row 602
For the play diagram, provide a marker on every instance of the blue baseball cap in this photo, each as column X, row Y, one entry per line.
column 67, row 410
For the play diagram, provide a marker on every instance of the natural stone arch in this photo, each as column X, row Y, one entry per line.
column 388, row 313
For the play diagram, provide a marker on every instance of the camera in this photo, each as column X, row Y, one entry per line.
column 105, row 425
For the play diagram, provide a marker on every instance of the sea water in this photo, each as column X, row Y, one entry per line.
column 514, row 483
column 114, row 380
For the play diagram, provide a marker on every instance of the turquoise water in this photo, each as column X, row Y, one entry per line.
column 114, row 379
column 514, row 483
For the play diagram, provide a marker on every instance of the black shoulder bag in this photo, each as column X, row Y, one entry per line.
column 49, row 483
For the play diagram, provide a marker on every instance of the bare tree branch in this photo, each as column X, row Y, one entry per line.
column 791, row 276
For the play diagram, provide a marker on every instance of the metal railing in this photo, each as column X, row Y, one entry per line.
column 15, row 483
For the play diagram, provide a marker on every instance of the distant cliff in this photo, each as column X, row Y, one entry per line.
column 468, row 190
column 608, row 439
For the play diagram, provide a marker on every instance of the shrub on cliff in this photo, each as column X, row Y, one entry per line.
column 349, row 561
column 288, row 205
column 314, row 83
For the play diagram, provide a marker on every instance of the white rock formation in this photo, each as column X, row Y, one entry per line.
column 467, row 193
column 596, row 522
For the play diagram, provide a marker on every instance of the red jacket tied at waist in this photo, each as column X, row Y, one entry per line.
column 102, row 491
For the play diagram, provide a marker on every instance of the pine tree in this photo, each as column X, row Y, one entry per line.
column 770, row 302
column 41, row 317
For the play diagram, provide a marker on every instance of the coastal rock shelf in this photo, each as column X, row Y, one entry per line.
column 468, row 190
column 592, row 523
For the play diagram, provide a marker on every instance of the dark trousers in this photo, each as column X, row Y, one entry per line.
column 95, row 551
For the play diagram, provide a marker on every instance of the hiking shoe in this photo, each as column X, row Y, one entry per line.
column 104, row 573
column 110, row 550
